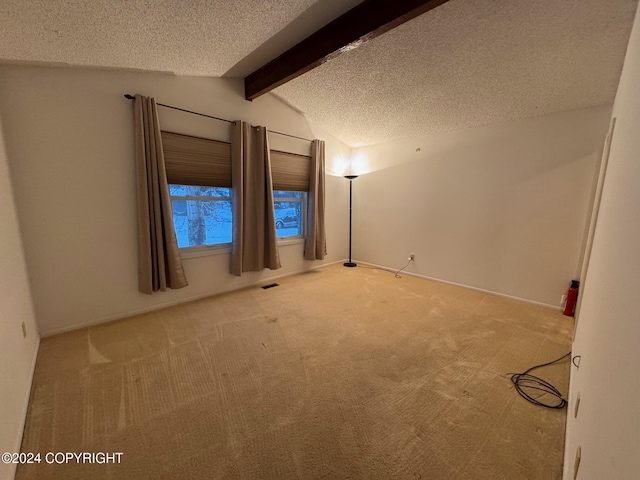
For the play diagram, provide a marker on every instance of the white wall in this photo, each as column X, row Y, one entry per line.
column 17, row 354
column 608, row 333
column 501, row 208
column 70, row 147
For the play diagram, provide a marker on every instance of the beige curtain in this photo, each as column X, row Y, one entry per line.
column 254, row 246
column 315, row 245
column 159, row 264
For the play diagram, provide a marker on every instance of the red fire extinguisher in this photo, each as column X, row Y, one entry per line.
column 572, row 298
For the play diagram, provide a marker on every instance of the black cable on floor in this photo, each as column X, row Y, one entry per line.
column 526, row 382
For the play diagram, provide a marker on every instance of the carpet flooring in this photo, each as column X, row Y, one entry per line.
column 335, row 374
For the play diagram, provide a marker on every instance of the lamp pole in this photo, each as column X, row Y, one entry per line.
column 350, row 178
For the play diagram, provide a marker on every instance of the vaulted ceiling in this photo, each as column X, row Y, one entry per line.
column 466, row 63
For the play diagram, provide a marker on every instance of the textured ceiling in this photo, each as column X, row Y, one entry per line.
column 466, row 63
column 470, row 63
column 187, row 37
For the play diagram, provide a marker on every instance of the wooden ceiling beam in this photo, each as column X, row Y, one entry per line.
column 362, row 23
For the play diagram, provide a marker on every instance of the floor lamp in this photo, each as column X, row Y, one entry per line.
column 350, row 178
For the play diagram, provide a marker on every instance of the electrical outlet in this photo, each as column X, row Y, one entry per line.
column 24, row 330
column 563, row 301
column 412, row 256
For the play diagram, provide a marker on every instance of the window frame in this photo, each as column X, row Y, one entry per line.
column 225, row 247
column 303, row 201
column 199, row 250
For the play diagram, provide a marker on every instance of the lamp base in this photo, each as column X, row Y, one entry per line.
column 350, row 264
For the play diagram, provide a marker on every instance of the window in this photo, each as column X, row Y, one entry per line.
column 290, row 213
column 201, row 215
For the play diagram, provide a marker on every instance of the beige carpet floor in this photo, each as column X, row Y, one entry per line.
column 337, row 373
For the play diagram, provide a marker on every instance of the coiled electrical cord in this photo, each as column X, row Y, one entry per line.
column 525, row 382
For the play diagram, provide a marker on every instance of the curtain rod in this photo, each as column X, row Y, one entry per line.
column 131, row 97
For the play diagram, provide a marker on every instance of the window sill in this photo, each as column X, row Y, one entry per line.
column 290, row 241
column 225, row 248
column 193, row 252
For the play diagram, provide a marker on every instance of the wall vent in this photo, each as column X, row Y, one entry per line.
column 271, row 285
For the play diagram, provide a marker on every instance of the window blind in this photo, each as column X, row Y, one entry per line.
column 200, row 161
column 196, row 161
column 290, row 172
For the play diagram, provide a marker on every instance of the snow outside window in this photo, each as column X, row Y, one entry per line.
column 202, row 216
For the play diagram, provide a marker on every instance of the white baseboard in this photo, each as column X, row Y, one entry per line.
column 120, row 316
column 25, row 408
column 220, row 291
column 511, row 297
